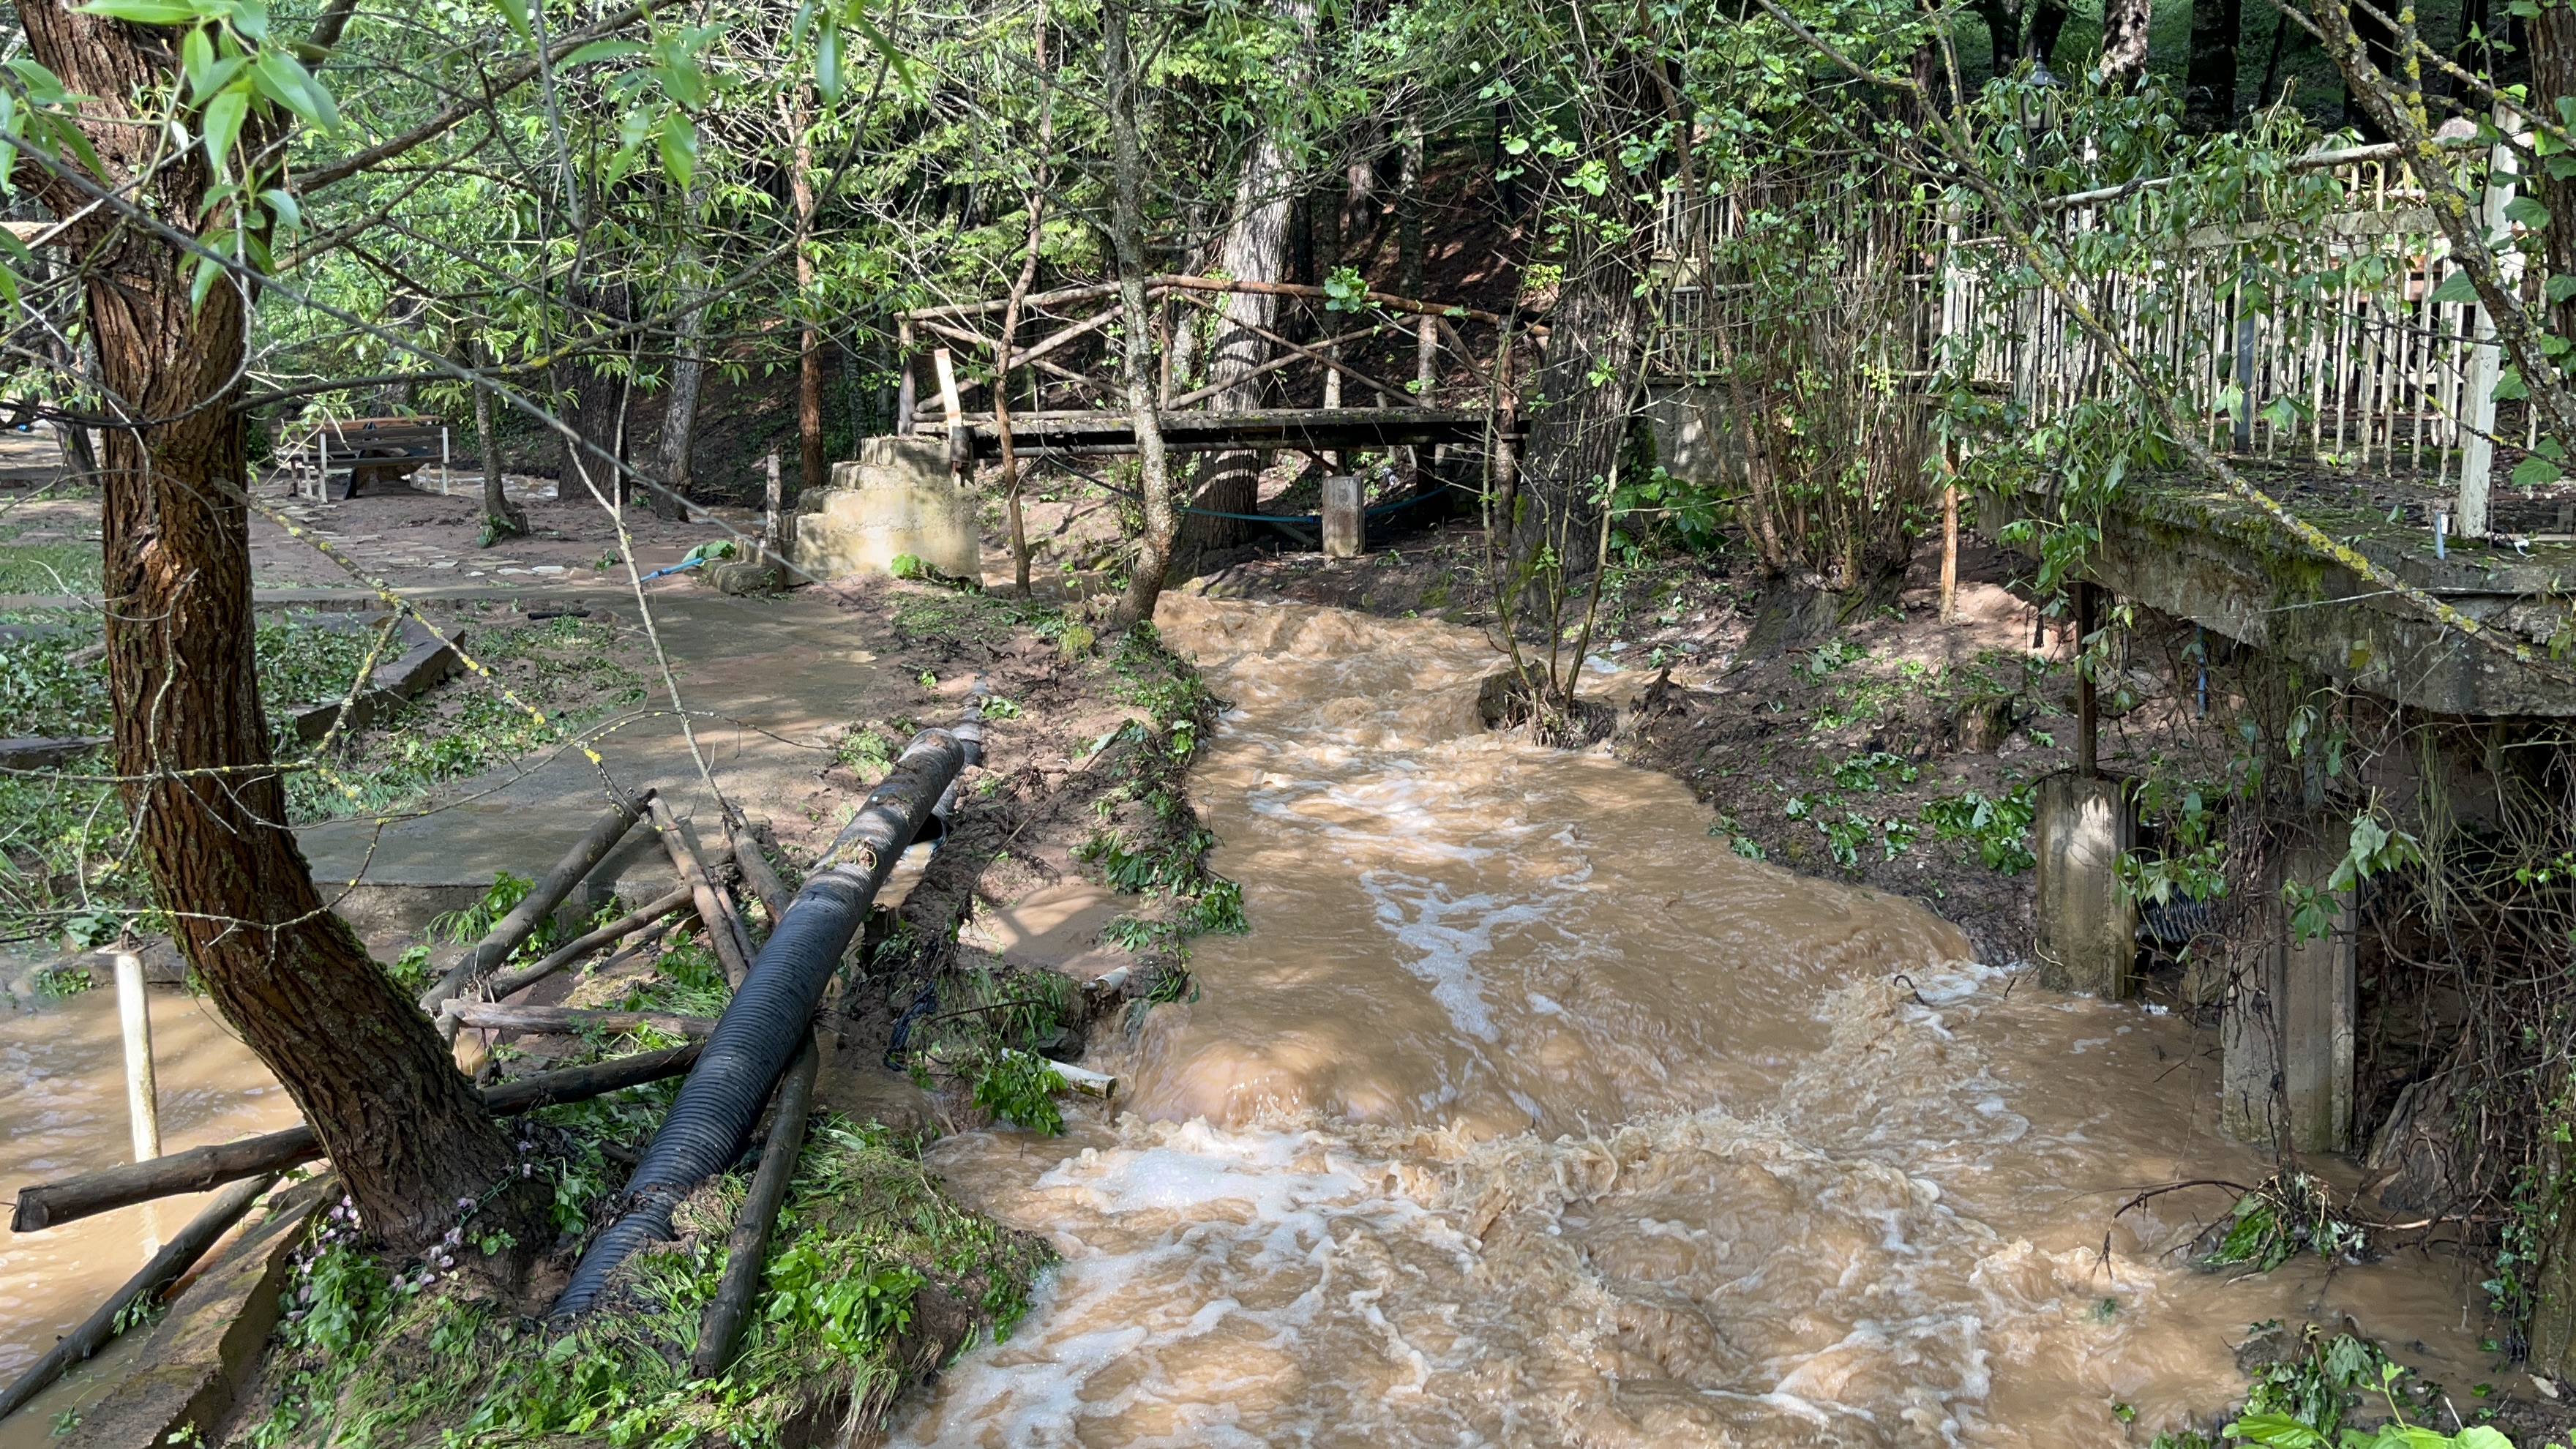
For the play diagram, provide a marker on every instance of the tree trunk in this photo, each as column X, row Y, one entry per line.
column 2209, row 84
column 1127, row 242
column 1256, row 250
column 501, row 518
column 408, row 1134
column 2047, row 20
column 2553, row 84
column 1597, row 332
column 811, row 473
column 2003, row 32
column 688, row 384
column 1034, row 199
column 593, row 398
column 2124, row 40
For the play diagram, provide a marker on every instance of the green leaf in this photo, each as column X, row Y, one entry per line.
column 599, row 50
column 516, row 12
column 143, row 12
column 677, row 140
column 223, row 123
column 283, row 79
column 2456, row 288
column 2533, row 471
column 2528, row 211
column 209, row 270
column 827, row 62
column 2559, row 287
column 281, row 204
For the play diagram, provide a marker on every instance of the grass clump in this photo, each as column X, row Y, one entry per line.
column 875, row 1276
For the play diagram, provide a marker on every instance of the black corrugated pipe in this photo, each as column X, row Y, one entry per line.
column 771, row 1017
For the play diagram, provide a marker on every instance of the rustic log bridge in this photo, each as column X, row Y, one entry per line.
column 510, row 983
column 54, row 1203
column 748, row 1244
column 540, row 902
column 175, row 1258
column 559, row 1020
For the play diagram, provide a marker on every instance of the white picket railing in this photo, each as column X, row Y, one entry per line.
column 2377, row 373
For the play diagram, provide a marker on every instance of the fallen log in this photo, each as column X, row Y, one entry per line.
column 714, row 911
column 541, row 900
column 51, row 1204
column 571, row 1019
column 749, row 1241
column 175, row 1258
column 764, row 882
column 510, row 983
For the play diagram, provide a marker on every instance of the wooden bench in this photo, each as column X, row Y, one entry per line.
column 373, row 450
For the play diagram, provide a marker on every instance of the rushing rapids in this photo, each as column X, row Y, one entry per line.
column 1527, row 1113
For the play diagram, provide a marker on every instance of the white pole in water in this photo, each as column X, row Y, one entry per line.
column 142, row 1095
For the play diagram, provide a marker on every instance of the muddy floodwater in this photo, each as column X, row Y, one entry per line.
column 1529, row 1113
column 62, row 1111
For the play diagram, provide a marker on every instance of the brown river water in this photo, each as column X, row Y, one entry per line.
column 62, row 1111
column 1528, row 1113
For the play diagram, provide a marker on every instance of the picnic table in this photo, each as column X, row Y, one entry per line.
column 373, row 450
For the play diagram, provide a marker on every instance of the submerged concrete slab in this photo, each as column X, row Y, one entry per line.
column 2286, row 1026
column 2087, row 923
column 899, row 498
column 769, row 683
column 207, row 1348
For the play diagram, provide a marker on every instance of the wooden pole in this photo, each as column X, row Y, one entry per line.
column 1950, row 550
column 905, row 390
column 724, row 933
column 749, row 1242
column 771, row 500
column 491, row 1016
column 540, row 902
column 142, row 1095
column 174, row 1259
column 510, row 983
column 756, row 872
column 46, row 1205
column 2087, row 719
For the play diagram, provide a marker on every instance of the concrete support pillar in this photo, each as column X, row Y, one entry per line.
column 2286, row 1025
column 1343, row 522
column 2087, row 925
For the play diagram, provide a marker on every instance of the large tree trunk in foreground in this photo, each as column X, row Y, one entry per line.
column 406, row 1131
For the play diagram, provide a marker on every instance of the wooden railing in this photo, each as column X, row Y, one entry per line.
column 2378, row 366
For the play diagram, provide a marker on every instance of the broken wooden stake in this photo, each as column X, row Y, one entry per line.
column 492, row 1016
column 715, row 911
column 749, row 1241
column 510, row 983
column 540, row 902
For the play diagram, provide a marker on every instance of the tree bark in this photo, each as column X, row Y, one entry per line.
column 501, row 518
column 2003, row 32
column 2124, row 40
column 811, row 471
column 1127, row 244
column 1255, row 250
column 1597, row 331
column 2209, row 82
column 407, row 1132
column 2552, row 48
column 688, row 376
column 594, row 402
column 1034, row 198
